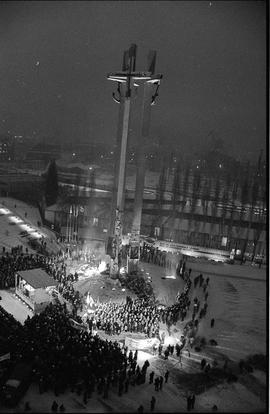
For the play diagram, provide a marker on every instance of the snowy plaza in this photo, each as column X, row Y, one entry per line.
column 237, row 301
column 134, row 207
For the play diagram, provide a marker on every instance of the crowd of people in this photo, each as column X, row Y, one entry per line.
column 14, row 261
column 154, row 255
column 139, row 315
column 54, row 265
column 63, row 357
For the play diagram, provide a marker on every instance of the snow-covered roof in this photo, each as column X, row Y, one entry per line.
column 37, row 278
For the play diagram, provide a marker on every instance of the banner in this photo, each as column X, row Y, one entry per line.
column 77, row 325
column 178, row 247
column 141, row 343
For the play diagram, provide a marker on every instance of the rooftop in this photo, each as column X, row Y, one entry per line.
column 37, row 278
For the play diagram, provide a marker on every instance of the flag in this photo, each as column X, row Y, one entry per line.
column 125, row 66
column 132, row 50
column 151, row 61
column 132, row 56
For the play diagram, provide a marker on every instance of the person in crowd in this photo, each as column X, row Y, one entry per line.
column 192, row 401
column 160, row 382
column 203, row 363
column 78, row 359
column 156, row 384
column 166, row 376
column 152, row 403
column 189, row 402
column 151, row 377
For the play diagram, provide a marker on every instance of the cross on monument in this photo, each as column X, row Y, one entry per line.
column 126, row 84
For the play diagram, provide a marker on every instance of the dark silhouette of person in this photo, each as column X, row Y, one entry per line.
column 157, row 384
column 166, row 376
column 153, row 402
column 203, row 363
column 151, row 377
column 54, row 407
column 160, row 382
column 192, row 401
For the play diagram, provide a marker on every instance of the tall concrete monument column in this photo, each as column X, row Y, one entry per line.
column 126, row 80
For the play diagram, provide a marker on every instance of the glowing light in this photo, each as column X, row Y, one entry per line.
column 102, row 267
column 4, row 211
column 220, row 165
column 24, row 227
column 88, row 298
column 117, row 80
column 123, row 290
column 113, row 288
column 122, row 271
column 170, row 277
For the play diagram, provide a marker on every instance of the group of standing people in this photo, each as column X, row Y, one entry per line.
column 10, row 263
column 63, row 357
column 139, row 316
column 170, row 260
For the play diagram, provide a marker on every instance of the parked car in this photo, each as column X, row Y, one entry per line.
column 17, row 384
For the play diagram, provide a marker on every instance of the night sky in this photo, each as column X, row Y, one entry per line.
column 55, row 57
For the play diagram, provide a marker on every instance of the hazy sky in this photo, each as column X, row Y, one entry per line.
column 54, row 58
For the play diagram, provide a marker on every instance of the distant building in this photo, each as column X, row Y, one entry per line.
column 6, row 148
column 220, row 211
column 22, row 186
column 44, row 152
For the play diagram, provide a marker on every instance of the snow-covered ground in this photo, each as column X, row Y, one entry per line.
column 17, row 217
column 237, row 301
column 13, row 305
